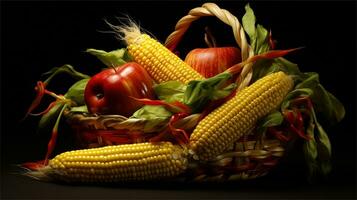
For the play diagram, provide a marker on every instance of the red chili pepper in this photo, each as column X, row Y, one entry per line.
column 46, row 110
column 51, row 145
column 160, row 137
column 179, row 134
column 299, row 119
column 289, row 116
column 278, row 134
column 299, row 132
column 40, row 90
column 268, row 55
column 52, row 142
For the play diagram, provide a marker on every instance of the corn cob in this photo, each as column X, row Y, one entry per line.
column 129, row 162
column 226, row 124
column 159, row 62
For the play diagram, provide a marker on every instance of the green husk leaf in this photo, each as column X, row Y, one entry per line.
column 268, row 66
column 154, row 116
column 273, row 119
column 326, row 104
column 76, row 91
column 49, row 118
column 113, row 58
column 311, row 145
column 323, row 141
column 258, row 35
column 170, row 91
column 287, row 66
column 199, row 92
column 263, row 68
column 293, row 94
column 220, row 94
column 323, row 147
column 310, row 150
column 325, row 167
column 259, row 41
column 308, row 80
column 262, row 40
column 80, row 109
column 248, row 22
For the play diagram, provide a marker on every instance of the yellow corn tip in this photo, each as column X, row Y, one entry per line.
column 160, row 62
column 141, row 161
column 220, row 129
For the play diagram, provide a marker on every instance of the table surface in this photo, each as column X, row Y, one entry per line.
column 273, row 186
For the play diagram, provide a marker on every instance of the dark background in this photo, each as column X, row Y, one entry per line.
column 36, row 36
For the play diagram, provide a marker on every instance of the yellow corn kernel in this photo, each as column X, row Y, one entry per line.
column 226, row 124
column 129, row 162
column 159, row 62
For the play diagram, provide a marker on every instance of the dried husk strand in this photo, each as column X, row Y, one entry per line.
column 211, row 9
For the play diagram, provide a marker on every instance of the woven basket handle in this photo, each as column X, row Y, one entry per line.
column 211, row 9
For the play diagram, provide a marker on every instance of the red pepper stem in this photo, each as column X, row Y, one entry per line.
column 175, row 131
column 40, row 89
column 52, row 142
column 45, row 111
column 267, row 55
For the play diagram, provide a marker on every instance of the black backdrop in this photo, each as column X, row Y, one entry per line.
column 36, row 36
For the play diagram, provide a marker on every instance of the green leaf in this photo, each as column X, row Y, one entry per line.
column 113, row 58
column 64, row 69
column 309, row 80
column 80, row 109
column 287, row 66
column 263, row 68
column 325, row 167
column 323, row 142
column 154, row 116
column 258, row 35
column 170, row 91
column 248, row 22
column 76, row 91
column 326, row 105
column 220, row 94
column 318, row 149
column 293, row 94
column 199, row 92
column 310, row 151
column 273, row 119
column 262, row 40
column 49, row 118
column 310, row 146
column 268, row 66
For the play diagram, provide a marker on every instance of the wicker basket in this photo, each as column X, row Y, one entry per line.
column 250, row 157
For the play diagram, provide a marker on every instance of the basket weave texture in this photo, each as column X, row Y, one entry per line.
column 250, row 157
